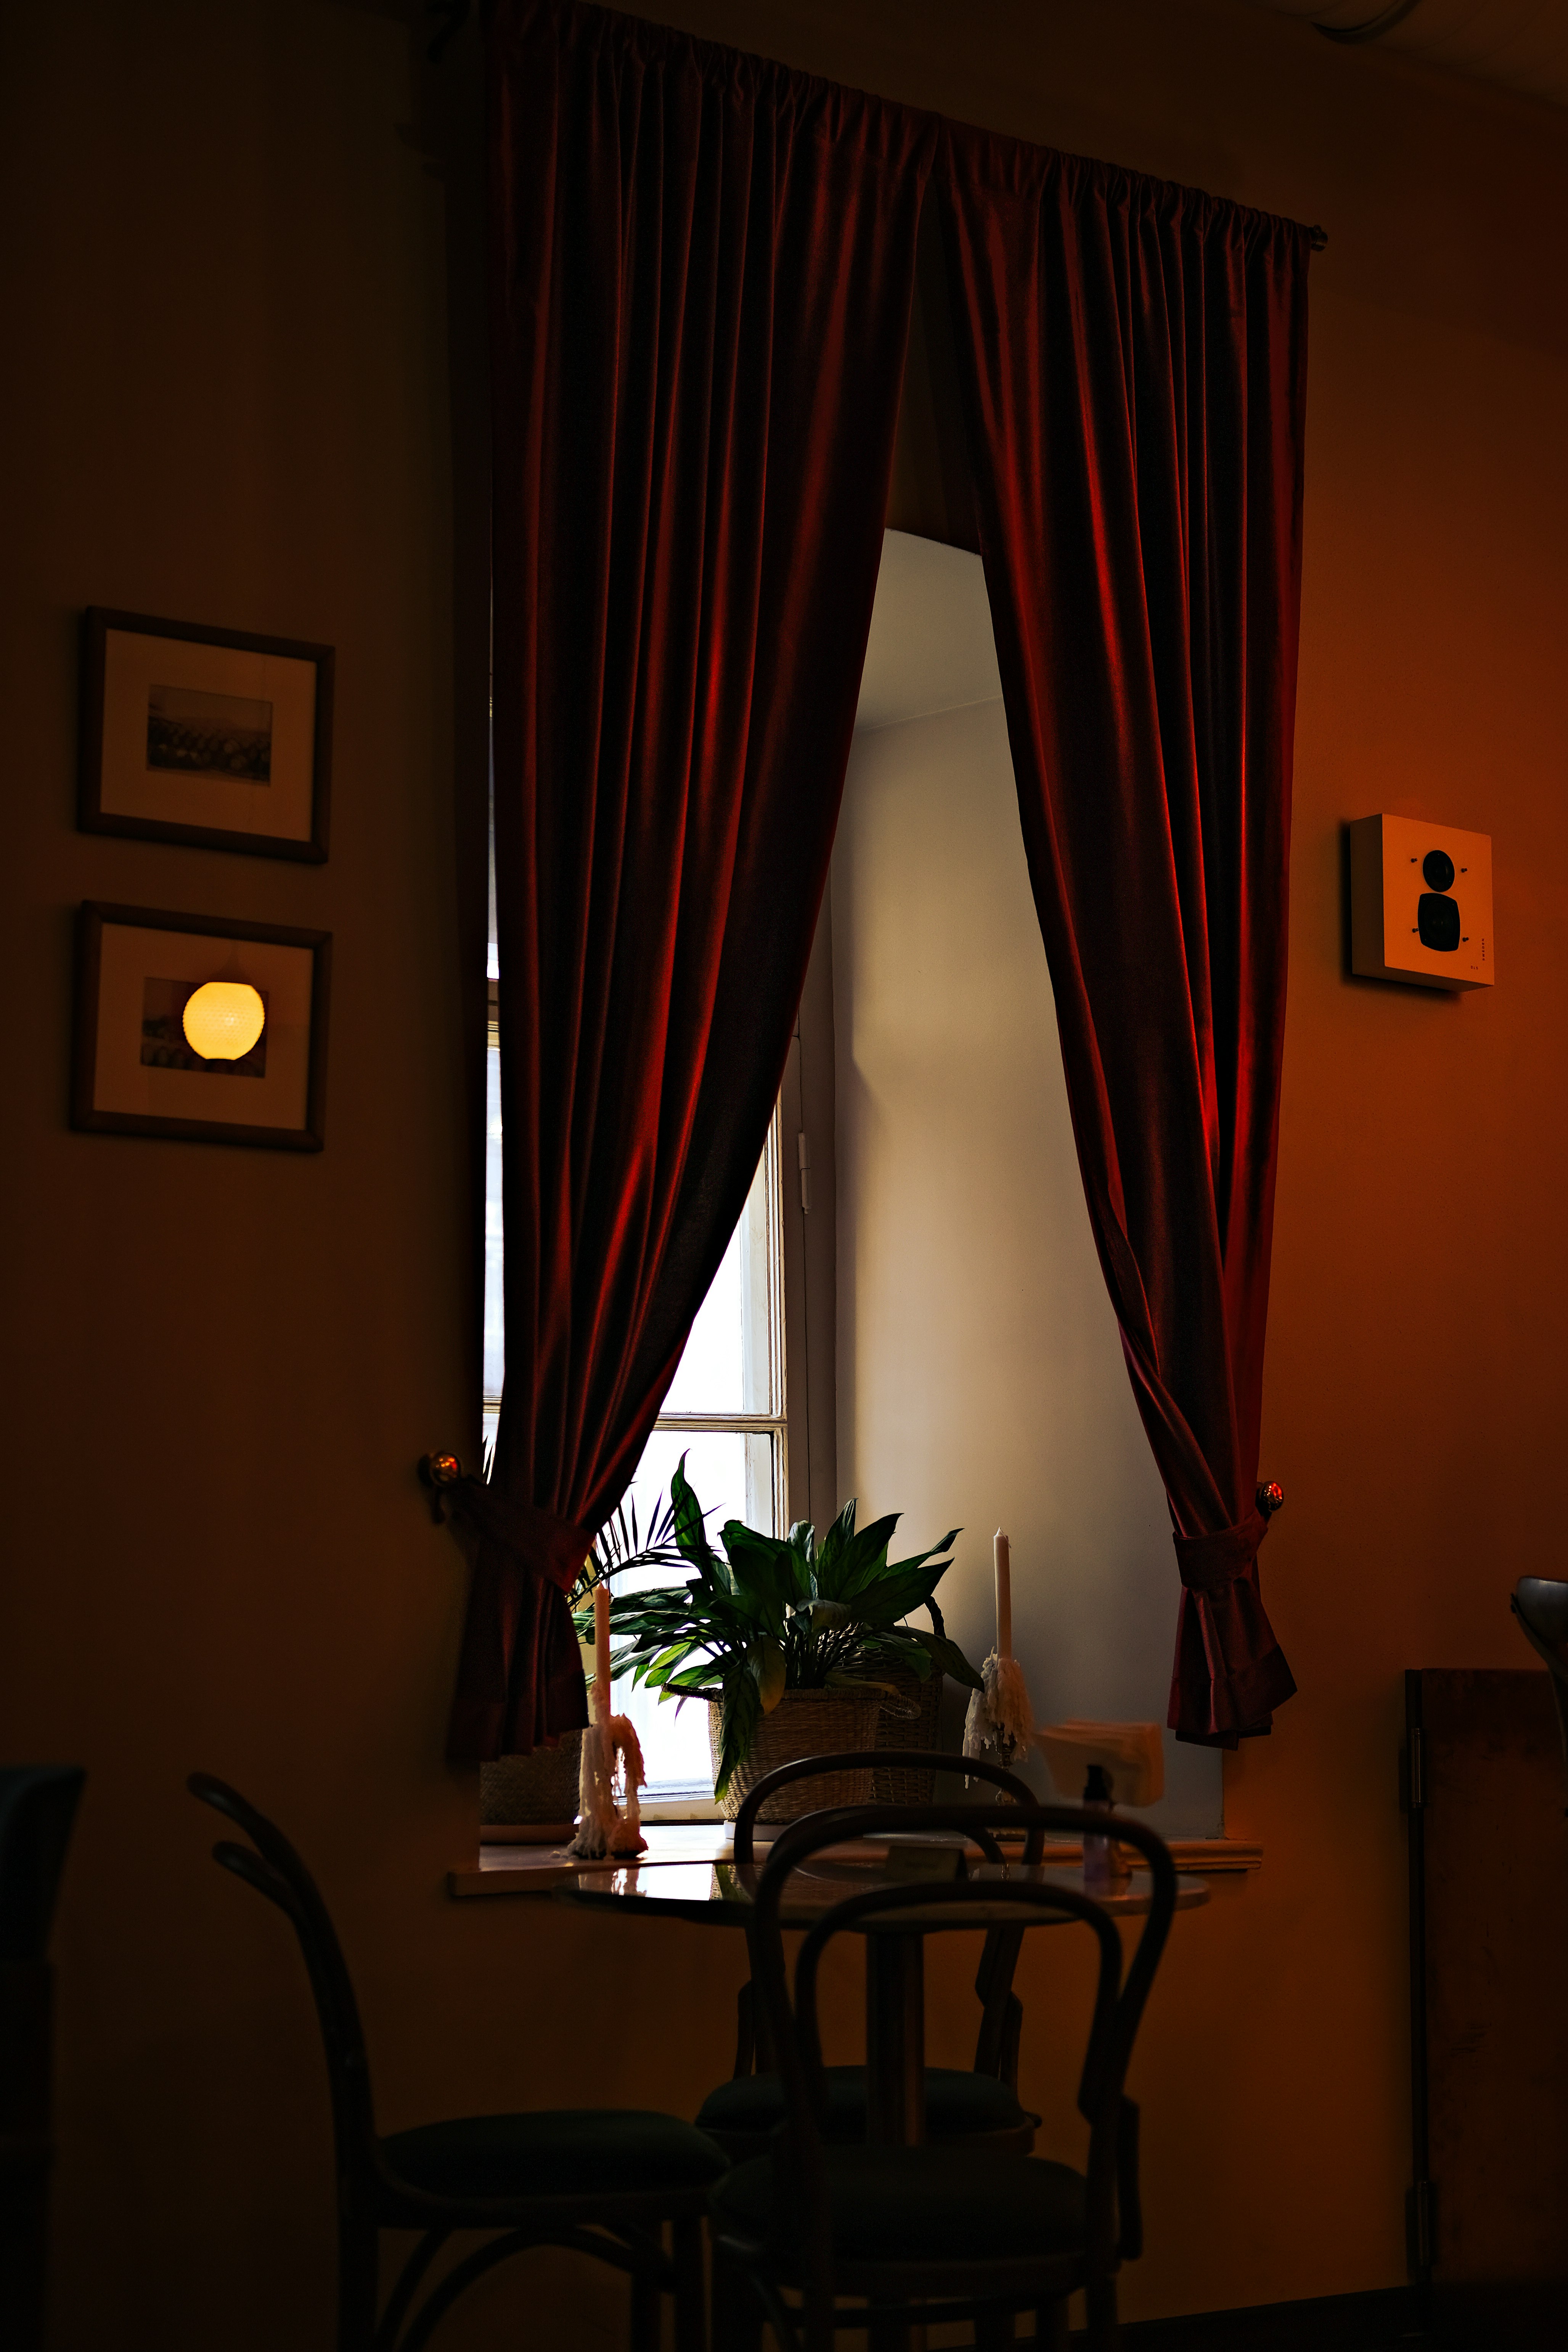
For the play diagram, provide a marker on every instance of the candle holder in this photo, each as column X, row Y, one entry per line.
column 1000, row 1721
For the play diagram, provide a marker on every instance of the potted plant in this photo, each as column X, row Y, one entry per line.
column 794, row 1645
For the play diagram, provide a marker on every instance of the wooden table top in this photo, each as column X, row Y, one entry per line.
column 720, row 1894
column 723, row 1894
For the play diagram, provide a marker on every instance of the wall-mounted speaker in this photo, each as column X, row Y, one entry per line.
column 1421, row 903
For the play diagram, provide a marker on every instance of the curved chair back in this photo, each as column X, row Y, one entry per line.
column 1119, row 1999
column 275, row 1870
column 1001, row 2011
column 811, row 1768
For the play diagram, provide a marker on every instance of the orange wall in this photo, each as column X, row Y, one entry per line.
column 226, row 399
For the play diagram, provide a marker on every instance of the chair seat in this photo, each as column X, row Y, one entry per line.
column 554, row 2152
column 920, row 2204
column 960, row 2104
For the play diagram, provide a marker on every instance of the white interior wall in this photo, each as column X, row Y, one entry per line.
column 980, row 1374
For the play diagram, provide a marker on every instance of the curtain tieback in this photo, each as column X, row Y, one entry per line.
column 1208, row 1563
column 552, row 1547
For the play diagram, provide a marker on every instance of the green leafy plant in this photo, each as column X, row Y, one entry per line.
column 760, row 1615
column 622, row 1544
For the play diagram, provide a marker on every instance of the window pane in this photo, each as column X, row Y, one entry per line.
column 732, row 1362
column 717, row 1467
column 731, row 1475
column 495, row 1340
column 709, row 1378
column 674, row 1751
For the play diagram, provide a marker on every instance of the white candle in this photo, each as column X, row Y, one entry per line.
column 1003, row 1558
column 602, row 1652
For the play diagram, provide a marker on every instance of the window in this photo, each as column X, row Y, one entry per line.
column 727, row 1413
column 495, row 1349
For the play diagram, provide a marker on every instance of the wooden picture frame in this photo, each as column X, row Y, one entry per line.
column 215, row 738
column 132, row 1072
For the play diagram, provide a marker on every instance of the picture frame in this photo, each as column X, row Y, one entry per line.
column 133, row 1071
column 215, row 738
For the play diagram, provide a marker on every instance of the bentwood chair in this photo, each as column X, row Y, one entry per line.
column 976, row 2106
column 603, row 2182
column 37, row 1810
column 928, row 2234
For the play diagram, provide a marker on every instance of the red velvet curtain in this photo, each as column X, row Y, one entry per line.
column 1134, row 357
column 702, row 271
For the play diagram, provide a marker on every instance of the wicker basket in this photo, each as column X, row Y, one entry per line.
column 804, row 1723
column 538, row 1788
column 919, row 1728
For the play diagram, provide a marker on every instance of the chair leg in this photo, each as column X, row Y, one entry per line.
column 1102, row 2335
column 647, row 2311
column 691, row 2315
column 359, row 2284
column 893, row 2335
column 737, row 2316
column 1051, row 2331
column 745, row 2029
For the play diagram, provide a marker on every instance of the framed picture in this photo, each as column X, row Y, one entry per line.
column 204, row 736
column 197, row 1028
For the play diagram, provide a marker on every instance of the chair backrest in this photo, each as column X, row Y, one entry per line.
column 37, row 1810
column 811, row 1768
column 276, row 1871
column 1001, row 2013
column 941, row 1905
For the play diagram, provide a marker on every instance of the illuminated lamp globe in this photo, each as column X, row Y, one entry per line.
column 222, row 1019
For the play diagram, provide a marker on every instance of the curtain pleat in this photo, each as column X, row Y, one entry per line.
column 1133, row 361
column 702, row 275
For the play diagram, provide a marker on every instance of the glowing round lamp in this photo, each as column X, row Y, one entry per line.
column 222, row 1019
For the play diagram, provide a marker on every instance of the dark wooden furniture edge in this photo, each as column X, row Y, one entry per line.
column 1420, row 2230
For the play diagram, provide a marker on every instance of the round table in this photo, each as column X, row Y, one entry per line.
column 723, row 1894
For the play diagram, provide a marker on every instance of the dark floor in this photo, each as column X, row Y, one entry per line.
column 1396, row 2320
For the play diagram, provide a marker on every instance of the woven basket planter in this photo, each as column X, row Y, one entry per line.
column 804, row 1723
column 918, row 1728
column 541, row 1788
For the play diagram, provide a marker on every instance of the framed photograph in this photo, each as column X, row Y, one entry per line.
column 200, row 1029
column 204, row 736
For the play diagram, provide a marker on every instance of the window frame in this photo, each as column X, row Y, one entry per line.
column 774, row 1425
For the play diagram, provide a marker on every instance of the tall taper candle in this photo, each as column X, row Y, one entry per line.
column 602, row 1652
column 1003, row 1558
